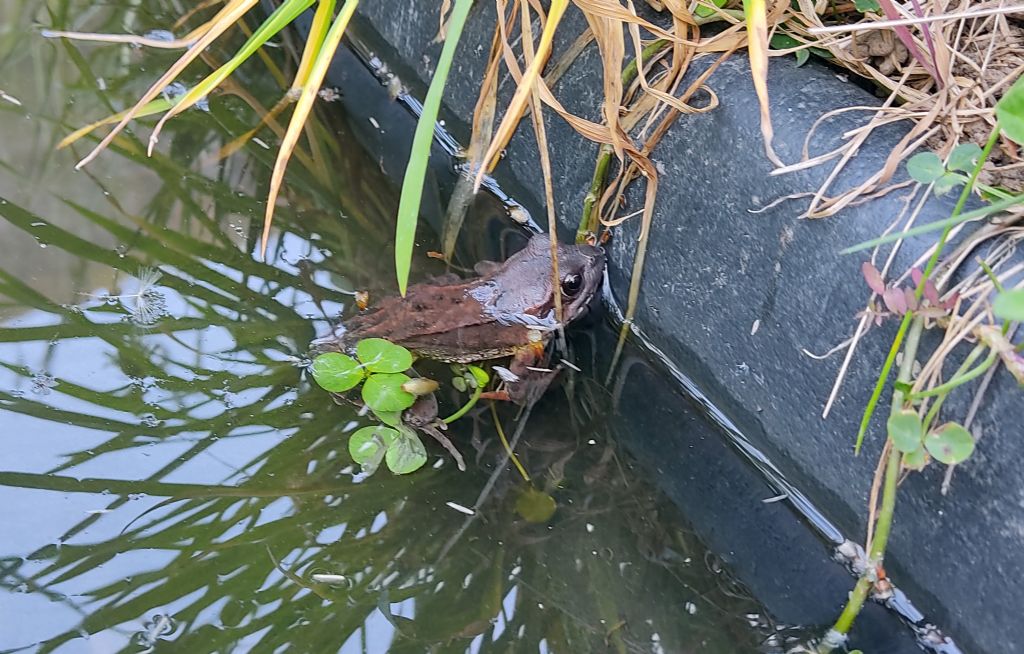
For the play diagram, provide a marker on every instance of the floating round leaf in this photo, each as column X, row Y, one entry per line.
column 406, row 454
column 950, row 443
column 390, row 418
column 383, row 392
column 336, row 372
column 380, row 355
column 368, row 445
column 459, row 383
column 535, row 506
column 905, row 430
column 479, row 375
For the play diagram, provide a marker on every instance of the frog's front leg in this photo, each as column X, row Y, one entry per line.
column 527, row 376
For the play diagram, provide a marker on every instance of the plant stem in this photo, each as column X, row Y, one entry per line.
column 883, row 527
column 588, row 221
column 876, row 394
column 960, row 377
column 477, row 392
column 911, row 328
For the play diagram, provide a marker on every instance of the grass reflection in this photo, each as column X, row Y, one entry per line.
column 216, row 476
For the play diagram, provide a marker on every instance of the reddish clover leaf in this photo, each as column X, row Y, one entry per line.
column 911, row 299
column 895, row 300
column 951, row 301
column 873, row 277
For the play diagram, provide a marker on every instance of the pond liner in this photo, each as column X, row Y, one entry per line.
column 731, row 301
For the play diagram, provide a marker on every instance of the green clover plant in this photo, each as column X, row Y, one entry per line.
column 380, row 366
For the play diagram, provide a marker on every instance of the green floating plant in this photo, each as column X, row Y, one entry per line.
column 380, row 365
column 379, row 368
column 400, row 449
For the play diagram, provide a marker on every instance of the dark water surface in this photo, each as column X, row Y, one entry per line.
column 170, row 479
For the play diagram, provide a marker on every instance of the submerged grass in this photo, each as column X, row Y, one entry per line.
column 931, row 82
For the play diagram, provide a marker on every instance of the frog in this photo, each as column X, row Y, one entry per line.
column 507, row 310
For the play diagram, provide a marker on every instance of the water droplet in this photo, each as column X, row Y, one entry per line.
column 42, row 383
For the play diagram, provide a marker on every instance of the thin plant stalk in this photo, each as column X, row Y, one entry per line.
column 274, row 23
column 302, row 110
column 537, row 117
column 876, row 548
column 416, row 170
column 876, row 394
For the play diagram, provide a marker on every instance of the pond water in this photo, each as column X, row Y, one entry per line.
column 170, row 478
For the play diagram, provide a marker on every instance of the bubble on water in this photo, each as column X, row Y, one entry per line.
column 175, row 90
column 42, row 383
column 149, row 420
column 159, row 35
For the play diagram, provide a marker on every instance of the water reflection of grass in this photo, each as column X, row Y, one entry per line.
column 242, row 552
column 230, row 561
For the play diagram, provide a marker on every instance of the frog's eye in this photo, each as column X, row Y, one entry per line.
column 571, row 285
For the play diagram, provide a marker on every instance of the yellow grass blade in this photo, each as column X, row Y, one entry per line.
column 274, row 23
column 302, row 110
column 613, row 10
column 173, row 44
column 317, row 33
column 757, row 47
column 154, row 107
column 537, row 117
column 611, row 44
column 518, row 104
column 225, row 19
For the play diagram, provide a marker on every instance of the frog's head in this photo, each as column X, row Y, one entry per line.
column 522, row 290
column 580, row 271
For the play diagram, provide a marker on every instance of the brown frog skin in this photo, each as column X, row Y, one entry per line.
column 510, row 310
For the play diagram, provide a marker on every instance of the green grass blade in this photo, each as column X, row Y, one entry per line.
column 946, row 223
column 281, row 18
column 416, row 171
column 905, row 325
